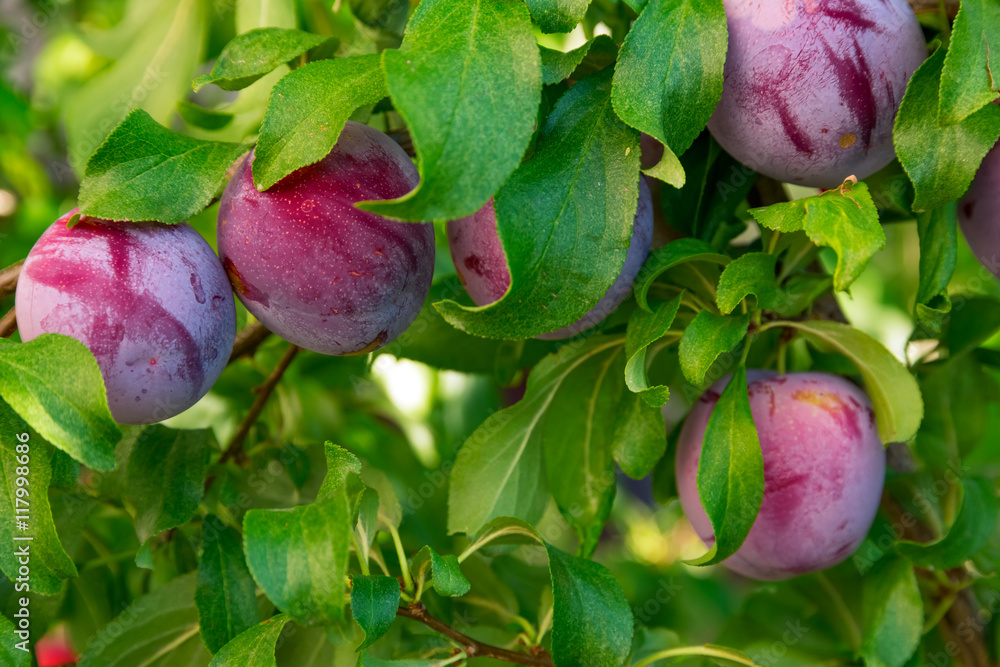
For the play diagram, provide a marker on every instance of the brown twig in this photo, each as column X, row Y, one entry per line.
column 235, row 448
column 962, row 626
column 8, row 278
column 925, row 6
column 472, row 648
column 248, row 340
column 8, row 324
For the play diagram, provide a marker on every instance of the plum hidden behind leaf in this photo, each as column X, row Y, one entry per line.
column 824, row 468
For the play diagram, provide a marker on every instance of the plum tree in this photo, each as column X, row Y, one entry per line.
column 811, row 89
column 824, row 468
column 482, row 266
column 149, row 300
column 315, row 269
column 977, row 212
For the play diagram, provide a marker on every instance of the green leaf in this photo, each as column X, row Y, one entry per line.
column 565, row 219
column 893, row 391
column 894, row 614
column 253, row 54
column 576, row 434
column 644, row 329
column 54, row 383
column 638, row 439
column 65, row 471
column 969, row 532
column 444, row 570
column 307, row 111
column 730, row 470
column 10, row 654
column 669, row 75
column 225, row 594
column 591, row 621
column 207, row 119
column 163, row 623
column 559, row 65
column 938, row 253
column 557, row 15
column 940, row 161
column 374, row 600
column 254, row 647
column 705, row 339
column 844, row 219
column 340, row 464
column 143, row 171
column 299, row 556
column 967, row 79
column 165, row 477
column 23, row 455
column 467, row 81
column 973, row 321
column 673, row 254
column 431, row 340
column 752, row 273
column 498, row 471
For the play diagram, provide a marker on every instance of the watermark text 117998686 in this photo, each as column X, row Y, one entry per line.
column 22, row 540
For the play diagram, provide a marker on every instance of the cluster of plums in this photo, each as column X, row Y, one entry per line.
column 155, row 306
column 810, row 95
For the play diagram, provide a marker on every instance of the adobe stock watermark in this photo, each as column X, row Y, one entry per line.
column 108, row 634
column 29, row 25
column 22, row 539
column 666, row 591
column 773, row 655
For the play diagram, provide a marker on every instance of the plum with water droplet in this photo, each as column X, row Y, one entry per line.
column 151, row 302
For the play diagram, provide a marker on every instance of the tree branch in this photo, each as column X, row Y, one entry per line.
column 472, row 648
column 248, row 340
column 8, row 324
column 8, row 278
column 235, row 448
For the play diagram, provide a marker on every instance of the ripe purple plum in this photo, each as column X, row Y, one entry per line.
column 824, row 468
column 149, row 300
column 482, row 265
column 979, row 212
column 315, row 269
column 812, row 87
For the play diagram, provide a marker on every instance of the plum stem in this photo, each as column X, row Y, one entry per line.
column 235, row 448
column 248, row 340
column 472, row 647
column 400, row 553
column 8, row 278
